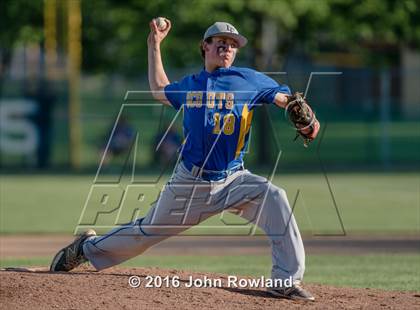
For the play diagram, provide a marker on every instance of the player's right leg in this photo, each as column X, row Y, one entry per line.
column 72, row 255
column 178, row 208
column 130, row 240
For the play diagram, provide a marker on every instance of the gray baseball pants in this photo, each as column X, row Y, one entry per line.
column 186, row 201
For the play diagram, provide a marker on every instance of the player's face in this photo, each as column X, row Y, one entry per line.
column 221, row 52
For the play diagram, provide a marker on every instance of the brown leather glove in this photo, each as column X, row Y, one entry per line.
column 302, row 117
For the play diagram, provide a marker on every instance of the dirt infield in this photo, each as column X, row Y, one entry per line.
column 36, row 288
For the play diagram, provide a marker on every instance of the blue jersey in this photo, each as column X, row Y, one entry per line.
column 218, row 109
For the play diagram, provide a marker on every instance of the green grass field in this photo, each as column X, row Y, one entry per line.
column 391, row 272
column 367, row 203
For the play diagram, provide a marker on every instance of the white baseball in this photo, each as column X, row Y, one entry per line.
column 161, row 23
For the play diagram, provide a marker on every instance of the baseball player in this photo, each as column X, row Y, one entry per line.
column 210, row 177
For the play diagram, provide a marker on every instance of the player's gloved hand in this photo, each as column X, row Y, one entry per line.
column 156, row 34
column 302, row 117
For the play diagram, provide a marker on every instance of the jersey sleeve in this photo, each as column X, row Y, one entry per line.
column 174, row 94
column 267, row 88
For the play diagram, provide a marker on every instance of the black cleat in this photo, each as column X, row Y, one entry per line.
column 71, row 256
column 296, row 292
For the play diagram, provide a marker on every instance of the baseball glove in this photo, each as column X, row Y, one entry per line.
column 302, row 117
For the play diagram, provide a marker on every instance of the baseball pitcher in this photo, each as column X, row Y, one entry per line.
column 210, row 177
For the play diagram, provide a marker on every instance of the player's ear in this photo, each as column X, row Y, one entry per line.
column 206, row 43
column 202, row 51
column 204, row 46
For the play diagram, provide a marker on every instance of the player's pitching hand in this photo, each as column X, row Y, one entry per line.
column 157, row 34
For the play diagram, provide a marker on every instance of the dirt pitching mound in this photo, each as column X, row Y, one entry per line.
column 36, row 288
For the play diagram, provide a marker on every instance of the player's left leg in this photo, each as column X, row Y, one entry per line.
column 276, row 218
column 266, row 205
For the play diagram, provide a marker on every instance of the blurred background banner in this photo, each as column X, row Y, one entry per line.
column 67, row 65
